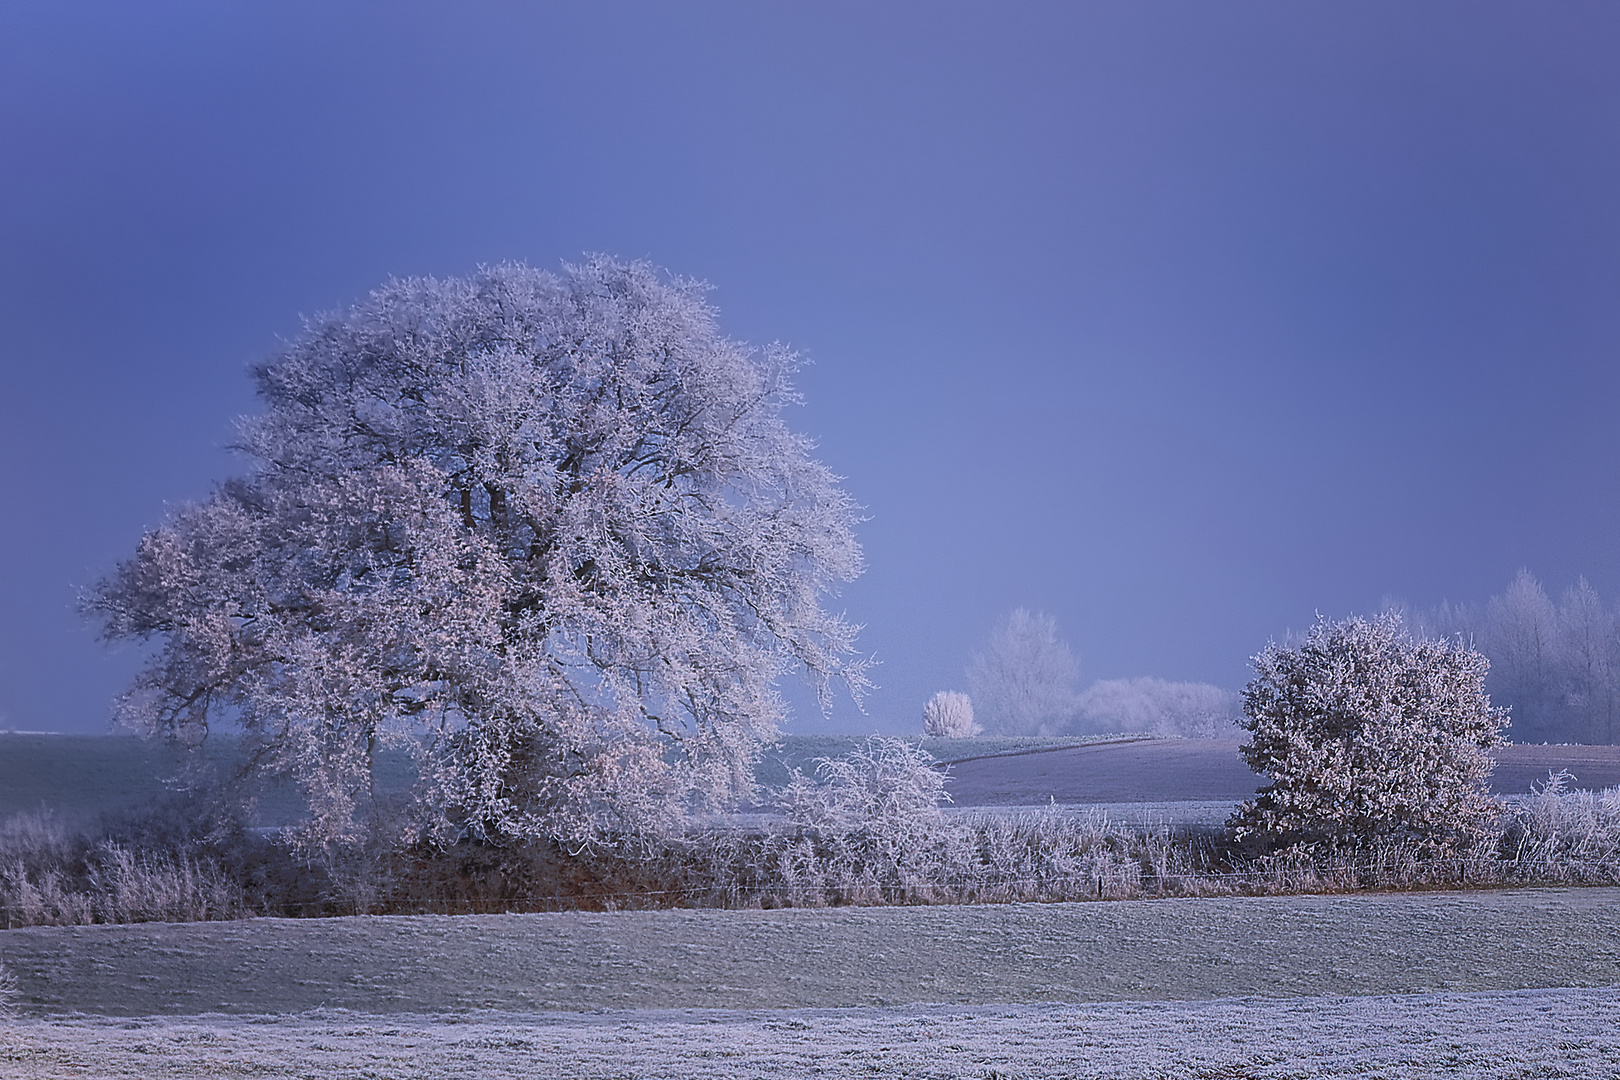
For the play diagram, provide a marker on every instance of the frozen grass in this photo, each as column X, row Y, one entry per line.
column 1519, row 1035
column 1499, row 984
column 53, row 876
column 49, row 876
column 1175, row 949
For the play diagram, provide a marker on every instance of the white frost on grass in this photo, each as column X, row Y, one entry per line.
column 1528, row 1033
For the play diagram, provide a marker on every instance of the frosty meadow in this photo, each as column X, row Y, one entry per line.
column 498, row 614
column 547, row 540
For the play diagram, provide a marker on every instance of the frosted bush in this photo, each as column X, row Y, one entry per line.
column 49, row 877
column 1561, row 833
column 1369, row 738
column 871, row 820
column 156, row 888
column 1158, row 707
column 949, row 715
column 38, row 838
column 886, row 783
column 42, row 898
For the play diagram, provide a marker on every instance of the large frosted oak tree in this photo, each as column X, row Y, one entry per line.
column 548, row 534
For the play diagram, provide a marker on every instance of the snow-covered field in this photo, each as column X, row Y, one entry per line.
column 1513, row 983
column 1518, row 983
column 1534, row 1033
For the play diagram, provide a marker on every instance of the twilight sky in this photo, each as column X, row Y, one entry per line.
column 1179, row 321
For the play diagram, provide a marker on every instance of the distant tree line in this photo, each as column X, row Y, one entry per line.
column 1554, row 664
column 1024, row 682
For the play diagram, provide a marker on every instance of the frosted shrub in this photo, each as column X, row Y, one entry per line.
column 884, row 781
column 8, row 993
column 949, row 715
column 131, row 888
column 1157, row 707
column 1369, row 737
column 1049, row 856
column 50, row 877
column 871, row 819
column 42, row 898
column 1564, row 834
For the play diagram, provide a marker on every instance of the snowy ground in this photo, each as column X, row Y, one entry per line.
column 1514, row 983
column 1537, row 1033
column 1287, row 946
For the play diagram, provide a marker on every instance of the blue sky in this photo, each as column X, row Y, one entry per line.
column 1181, row 322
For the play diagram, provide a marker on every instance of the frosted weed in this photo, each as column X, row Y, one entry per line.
column 8, row 993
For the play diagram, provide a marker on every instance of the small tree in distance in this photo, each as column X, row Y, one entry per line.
column 949, row 715
column 1023, row 684
column 1368, row 736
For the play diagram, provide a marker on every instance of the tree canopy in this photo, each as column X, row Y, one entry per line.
column 547, row 533
column 1368, row 736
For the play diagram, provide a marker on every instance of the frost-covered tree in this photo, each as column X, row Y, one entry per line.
column 1556, row 665
column 549, row 533
column 1589, row 665
column 949, row 715
column 1368, row 735
column 1157, row 707
column 1023, row 683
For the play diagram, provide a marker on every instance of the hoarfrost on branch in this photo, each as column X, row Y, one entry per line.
column 546, row 533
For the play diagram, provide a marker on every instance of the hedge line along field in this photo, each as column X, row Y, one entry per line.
column 1494, row 984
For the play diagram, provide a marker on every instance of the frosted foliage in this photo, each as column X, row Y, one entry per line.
column 548, row 532
column 1157, row 707
column 1023, row 683
column 882, row 784
column 1368, row 735
column 1555, row 664
column 949, row 715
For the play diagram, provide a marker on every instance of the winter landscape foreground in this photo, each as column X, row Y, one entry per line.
column 1512, row 983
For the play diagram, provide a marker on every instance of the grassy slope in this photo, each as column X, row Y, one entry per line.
column 831, row 957
column 82, row 776
column 801, row 751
